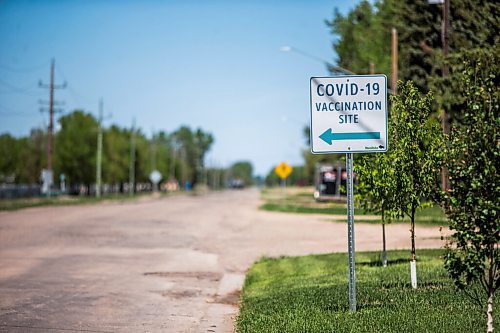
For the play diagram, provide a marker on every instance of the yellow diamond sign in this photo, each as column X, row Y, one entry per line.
column 283, row 170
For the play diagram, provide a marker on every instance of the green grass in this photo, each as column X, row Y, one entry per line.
column 430, row 215
column 309, row 294
column 302, row 201
column 15, row 204
column 338, row 209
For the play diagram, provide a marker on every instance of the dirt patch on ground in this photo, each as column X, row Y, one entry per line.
column 212, row 276
column 233, row 298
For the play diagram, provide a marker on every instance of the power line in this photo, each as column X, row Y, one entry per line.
column 25, row 69
column 75, row 95
column 15, row 89
column 15, row 114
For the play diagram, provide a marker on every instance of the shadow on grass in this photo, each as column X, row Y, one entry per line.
column 424, row 285
column 378, row 262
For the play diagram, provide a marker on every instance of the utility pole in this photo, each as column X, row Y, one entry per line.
column 372, row 67
column 445, row 122
column 99, row 153
column 172, row 162
column 394, row 53
column 132, row 161
column 183, row 175
column 50, row 129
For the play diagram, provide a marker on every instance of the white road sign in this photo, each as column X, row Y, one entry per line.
column 349, row 114
column 155, row 176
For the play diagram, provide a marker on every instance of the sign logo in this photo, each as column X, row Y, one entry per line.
column 348, row 114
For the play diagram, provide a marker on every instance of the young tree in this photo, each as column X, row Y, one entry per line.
column 473, row 203
column 377, row 188
column 415, row 159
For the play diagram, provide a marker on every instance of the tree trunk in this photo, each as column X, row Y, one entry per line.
column 412, row 232
column 384, row 253
column 489, row 313
column 413, row 262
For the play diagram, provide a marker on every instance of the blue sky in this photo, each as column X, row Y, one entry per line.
column 210, row 64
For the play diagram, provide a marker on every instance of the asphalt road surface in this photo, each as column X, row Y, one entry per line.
column 173, row 264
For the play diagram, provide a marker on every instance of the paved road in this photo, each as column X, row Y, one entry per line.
column 154, row 265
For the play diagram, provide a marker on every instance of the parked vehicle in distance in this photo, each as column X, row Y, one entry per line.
column 236, row 183
column 328, row 182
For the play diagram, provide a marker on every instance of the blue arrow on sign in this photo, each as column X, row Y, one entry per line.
column 328, row 136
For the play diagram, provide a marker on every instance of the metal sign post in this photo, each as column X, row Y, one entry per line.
column 350, row 233
column 349, row 115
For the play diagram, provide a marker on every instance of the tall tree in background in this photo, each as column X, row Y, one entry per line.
column 161, row 154
column 33, row 156
column 9, row 151
column 75, row 148
column 142, row 157
column 242, row 170
column 364, row 36
column 180, row 153
column 116, row 155
column 193, row 146
column 203, row 142
column 473, row 204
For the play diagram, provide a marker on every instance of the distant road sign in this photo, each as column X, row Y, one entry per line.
column 283, row 170
column 155, row 177
column 348, row 114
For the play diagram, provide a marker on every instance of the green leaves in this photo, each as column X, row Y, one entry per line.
column 417, row 140
column 377, row 187
column 473, row 205
column 76, row 146
column 192, row 146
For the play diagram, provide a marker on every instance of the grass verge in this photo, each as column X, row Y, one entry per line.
column 309, row 294
column 15, row 204
column 302, row 201
column 338, row 209
column 429, row 216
